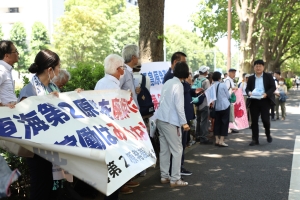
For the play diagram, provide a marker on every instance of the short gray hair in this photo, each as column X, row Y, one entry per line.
column 112, row 62
column 62, row 75
column 129, row 51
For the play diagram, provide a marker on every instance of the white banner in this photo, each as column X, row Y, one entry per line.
column 156, row 72
column 98, row 136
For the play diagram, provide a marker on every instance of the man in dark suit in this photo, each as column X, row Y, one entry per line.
column 264, row 85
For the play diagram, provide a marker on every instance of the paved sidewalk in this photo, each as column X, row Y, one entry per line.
column 238, row 172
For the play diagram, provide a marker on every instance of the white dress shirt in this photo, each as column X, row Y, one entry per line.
column 137, row 76
column 243, row 86
column 229, row 82
column 171, row 106
column 7, row 92
column 108, row 82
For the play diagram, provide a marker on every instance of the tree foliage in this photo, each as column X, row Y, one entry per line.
column 264, row 28
column 82, row 35
column 109, row 7
column 1, row 33
column 18, row 37
column 125, row 29
column 84, row 75
column 39, row 37
column 191, row 44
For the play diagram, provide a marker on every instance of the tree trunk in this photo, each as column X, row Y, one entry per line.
column 151, row 30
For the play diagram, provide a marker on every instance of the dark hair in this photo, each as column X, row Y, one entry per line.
column 225, row 74
column 43, row 60
column 259, row 62
column 176, row 56
column 216, row 76
column 181, row 70
column 278, row 72
column 244, row 74
column 195, row 77
column 5, row 47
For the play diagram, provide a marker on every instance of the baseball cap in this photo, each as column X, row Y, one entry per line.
column 203, row 69
column 247, row 75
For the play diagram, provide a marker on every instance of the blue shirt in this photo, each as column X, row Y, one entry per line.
column 222, row 96
column 259, row 83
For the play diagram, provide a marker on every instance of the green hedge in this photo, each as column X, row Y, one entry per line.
column 289, row 83
column 84, row 76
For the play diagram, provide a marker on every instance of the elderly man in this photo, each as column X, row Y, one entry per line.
column 131, row 56
column 114, row 71
column 61, row 80
column 264, row 86
column 9, row 55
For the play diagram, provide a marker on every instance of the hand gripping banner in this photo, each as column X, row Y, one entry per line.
column 98, row 136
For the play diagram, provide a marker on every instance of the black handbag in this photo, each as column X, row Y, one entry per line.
column 212, row 112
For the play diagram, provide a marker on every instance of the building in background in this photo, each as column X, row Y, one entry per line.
column 28, row 12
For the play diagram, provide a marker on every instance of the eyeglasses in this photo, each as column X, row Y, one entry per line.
column 15, row 51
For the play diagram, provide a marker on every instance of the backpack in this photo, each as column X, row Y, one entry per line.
column 197, row 99
column 282, row 97
column 145, row 100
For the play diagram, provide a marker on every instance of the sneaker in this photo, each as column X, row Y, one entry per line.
column 126, row 190
column 178, row 183
column 132, row 184
column 185, row 172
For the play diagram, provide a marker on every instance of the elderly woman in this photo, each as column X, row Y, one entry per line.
column 222, row 108
column 46, row 66
column 170, row 119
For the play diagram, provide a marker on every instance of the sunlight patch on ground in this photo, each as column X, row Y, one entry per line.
column 293, row 110
column 215, row 170
column 212, row 155
column 238, row 140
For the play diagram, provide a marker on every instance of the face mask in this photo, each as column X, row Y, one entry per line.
column 280, row 82
column 54, row 76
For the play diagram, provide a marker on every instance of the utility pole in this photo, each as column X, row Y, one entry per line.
column 229, row 36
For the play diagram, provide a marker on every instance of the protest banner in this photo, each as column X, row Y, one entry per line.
column 156, row 72
column 240, row 112
column 98, row 136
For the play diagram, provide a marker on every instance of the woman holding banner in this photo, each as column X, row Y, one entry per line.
column 222, row 108
column 170, row 118
column 46, row 66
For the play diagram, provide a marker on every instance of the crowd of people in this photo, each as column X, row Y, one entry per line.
column 181, row 104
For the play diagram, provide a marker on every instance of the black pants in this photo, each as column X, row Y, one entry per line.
column 272, row 112
column 41, row 179
column 260, row 107
column 222, row 122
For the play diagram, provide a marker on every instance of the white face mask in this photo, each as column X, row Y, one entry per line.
column 280, row 82
column 54, row 76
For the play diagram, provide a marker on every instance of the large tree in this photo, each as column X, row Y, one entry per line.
column 18, row 37
column 82, row 35
column 256, row 24
column 151, row 30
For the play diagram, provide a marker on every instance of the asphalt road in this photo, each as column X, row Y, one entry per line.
column 238, row 172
